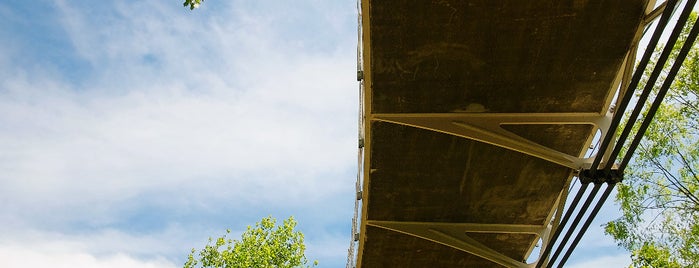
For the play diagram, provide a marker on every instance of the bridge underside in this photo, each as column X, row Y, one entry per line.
column 477, row 114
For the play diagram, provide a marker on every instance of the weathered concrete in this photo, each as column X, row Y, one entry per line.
column 484, row 57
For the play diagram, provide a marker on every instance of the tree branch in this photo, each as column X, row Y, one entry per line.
column 688, row 166
column 677, row 183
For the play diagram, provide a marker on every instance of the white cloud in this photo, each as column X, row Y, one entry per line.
column 102, row 148
column 287, row 119
column 108, row 248
column 188, row 113
column 30, row 258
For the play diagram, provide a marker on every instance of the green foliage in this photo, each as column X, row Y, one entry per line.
column 192, row 3
column 650, row 255
column 658, row 198
column 262, row 246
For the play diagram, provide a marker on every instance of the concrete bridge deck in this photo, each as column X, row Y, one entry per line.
column 477, row 114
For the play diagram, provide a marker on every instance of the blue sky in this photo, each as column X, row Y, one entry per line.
column 131, row 131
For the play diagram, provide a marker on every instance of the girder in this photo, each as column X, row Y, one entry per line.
column 455, row 235
column 487, row 128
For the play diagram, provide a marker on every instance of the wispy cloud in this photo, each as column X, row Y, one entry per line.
column 205, row 120
column 31, row 257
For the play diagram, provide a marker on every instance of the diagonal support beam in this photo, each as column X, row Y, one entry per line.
column 454, row 235
column 461, row 227
column 486, row 128
column 653, row 14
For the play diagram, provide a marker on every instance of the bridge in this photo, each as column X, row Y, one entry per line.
column 478, row 116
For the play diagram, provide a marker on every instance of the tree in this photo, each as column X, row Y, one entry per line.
column 192, row 3
column 659, row 196
column 262, row 246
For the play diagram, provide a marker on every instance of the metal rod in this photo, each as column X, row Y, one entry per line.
column 657, row 69
column 587, row 223
column 570, row 230
column 634, row 82
column 661, row 95
column 562, row 224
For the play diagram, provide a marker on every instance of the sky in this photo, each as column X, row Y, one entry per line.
column 131, row 131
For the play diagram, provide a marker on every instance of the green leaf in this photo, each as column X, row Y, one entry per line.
column 264, row 245
column 659, row 197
